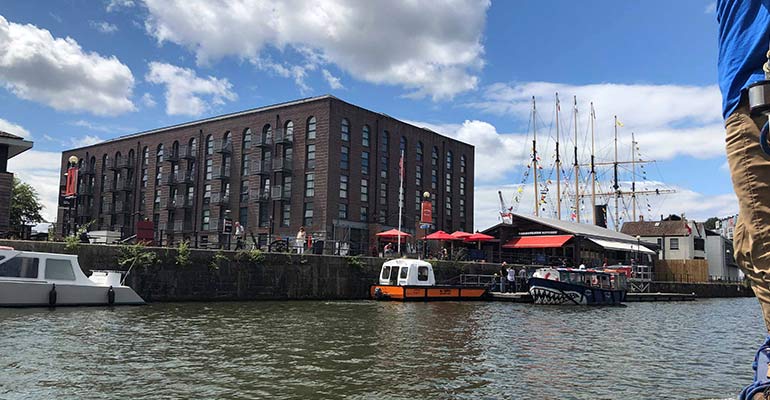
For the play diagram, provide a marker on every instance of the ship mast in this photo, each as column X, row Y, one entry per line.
column 593, row 170
column 534, row 156
column 558, row 163
column 633, row 177
column 577, row 171
column 615, row 185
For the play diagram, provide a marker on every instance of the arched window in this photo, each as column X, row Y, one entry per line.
column 118, row 158
column 247, row 139
column 193, row 147
column 131, row 157
column 418, row 155
column 209, row 145
column 449, row 161
column 93, row 163
column 175, row 149
column 267, row 133
column 345, row 130
column 226, row 140
column 384, row 142
column 311, row 128
column 288, row 127
column 365, row 136
column 145, row 156
column 159, row 154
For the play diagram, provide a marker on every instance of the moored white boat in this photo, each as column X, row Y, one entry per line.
column 29, row 279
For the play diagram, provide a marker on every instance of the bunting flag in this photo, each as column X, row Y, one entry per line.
column 617, row 121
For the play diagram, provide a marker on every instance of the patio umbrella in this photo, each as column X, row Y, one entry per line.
column 441, row 235
column 479, row 237
column 393, row 234
column 460, row 234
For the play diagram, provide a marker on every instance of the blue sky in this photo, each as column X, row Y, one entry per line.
column 76, row 72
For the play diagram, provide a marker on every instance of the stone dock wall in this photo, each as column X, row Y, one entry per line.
column 230, row 276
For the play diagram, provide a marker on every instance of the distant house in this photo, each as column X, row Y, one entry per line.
column 719, row 252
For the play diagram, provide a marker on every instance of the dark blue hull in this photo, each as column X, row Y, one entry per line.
column 546, row 291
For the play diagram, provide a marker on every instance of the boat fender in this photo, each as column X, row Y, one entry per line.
column 52, row 296
column 111, row 296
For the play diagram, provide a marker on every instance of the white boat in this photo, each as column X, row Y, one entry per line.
column 29, row 279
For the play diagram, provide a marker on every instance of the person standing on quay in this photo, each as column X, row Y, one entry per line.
column 511, row 279
column 300, row 241
column 744, row 37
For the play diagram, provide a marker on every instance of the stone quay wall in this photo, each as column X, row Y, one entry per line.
column 230, row 276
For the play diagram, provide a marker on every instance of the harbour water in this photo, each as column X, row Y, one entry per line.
column 365, row 349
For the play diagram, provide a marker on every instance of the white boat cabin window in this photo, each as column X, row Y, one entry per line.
column 385, row 272
column 20, row 267
column 59, row 270
column 422, row 273
column 404, row 272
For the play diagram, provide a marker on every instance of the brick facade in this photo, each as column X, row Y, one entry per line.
column 279, row 159
column 6, row 184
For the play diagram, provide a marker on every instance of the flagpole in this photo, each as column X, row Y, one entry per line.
column 400, row 196
column 558, row 163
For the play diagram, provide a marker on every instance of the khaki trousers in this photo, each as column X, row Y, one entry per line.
column 750, row 172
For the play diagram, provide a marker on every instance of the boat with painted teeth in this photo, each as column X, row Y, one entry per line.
column 34, row 279
column 557, row 286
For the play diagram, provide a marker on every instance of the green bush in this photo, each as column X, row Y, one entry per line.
column 217, row 260
column 183, row 254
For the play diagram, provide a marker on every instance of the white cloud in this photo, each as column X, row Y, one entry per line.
column 148, row 100
column 103, row 26
column 40, row 169
column 333, row 81
column 106, row 128
column 86, row 140
column 711, row 8
column 115, row 5
column 430, row 49
column 57, row 72
column 14, row 129
column 185, row 90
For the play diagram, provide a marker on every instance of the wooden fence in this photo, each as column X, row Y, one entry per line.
column 682, row 271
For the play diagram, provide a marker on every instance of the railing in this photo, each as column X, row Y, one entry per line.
column 183, row 226
column 260, row 195
column 172, row 156
column 261, row 167
column 280, row 164
column 282, row 137
column 188, row 152
column 213, row 226
column 220, row 198
column 471, row 280
column 221, row 173
column 87, row 170
column 182, row 201
column 277, row 193
column 187, row 177
column 172, row 178
column 262, row 140
column 221, row 146
column 124, row 184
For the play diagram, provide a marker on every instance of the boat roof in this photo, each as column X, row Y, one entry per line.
column 401, row 262
column 10, row 251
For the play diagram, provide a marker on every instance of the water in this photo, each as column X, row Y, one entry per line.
column 377, row 350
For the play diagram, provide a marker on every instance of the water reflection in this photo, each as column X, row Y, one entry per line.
column 385, row 350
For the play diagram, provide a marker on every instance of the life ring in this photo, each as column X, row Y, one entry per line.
column 52, row 296
column 111, row 296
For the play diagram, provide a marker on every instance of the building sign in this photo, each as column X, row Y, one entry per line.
column 145, row 232
column 426, row 213
column 227, row 226
column 72, row 182
column 537, row 233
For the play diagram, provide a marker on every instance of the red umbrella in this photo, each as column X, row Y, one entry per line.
column 460, row 234
column 393, row 234
column 440, row 235
column 479, row 237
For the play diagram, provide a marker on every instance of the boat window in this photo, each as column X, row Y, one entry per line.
column 422, row 273
column 20, row 267
column 385, row 272
column 404, row 272
column 59, row 270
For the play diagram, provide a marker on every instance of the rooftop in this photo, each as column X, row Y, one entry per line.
column 16, row 144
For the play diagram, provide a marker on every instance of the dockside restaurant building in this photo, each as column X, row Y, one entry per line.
column 319, row 162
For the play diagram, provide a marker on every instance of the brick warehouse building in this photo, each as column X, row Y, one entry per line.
column 319, row 162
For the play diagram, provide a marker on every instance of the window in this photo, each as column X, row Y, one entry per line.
column 462, row 208
column 206, row 194
column 364, row 191
column 418, row 176
column 267, row 133
column 364, row 214
column 345, row 157
column 288, row 128
column 660, row 243
column 310, row 159
column 699, row 244
column 462, row 186
column 308, row 220
column 382, row 217
column 343, row 211
column 462, row 164
column 434, row 157
column 20, row 267
column 59, row 270
column 343, row 186
column 145, row 156
column 311, row 128
column 449, row 160
column 448, row 206
column 226, row 140
column 365, row 162
column 383, row 193
column 243, row 216
column 193, row 147
column 246, row 140
column 418, row 154
column 404, row 273
column 345, row 130
column 244, row 191
column 245, row 165
column 384, row 142
column 209, row 145
column 309, row 185
column 365, row 136
column 286, row 187
column 209, row 169
column 674, row 244
column 448, row 182
column 422, row 273
column 205, row 220
column 384, row 166
column 402, row 146
column 156, row 201
column 417, row 201
column 286, row 214
column 385, row 272
column 433, row 179
column 159, row 154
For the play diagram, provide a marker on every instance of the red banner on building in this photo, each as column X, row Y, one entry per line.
column 71, row 189
column 426, row 213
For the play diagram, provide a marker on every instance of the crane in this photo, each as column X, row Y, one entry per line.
column 505, row 211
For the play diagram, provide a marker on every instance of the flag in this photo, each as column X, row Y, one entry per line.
column 401, row 166
column 617, row 121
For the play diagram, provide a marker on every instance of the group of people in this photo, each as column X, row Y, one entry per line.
column 512, row 280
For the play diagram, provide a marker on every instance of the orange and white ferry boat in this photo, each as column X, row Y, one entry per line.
column 406, row 279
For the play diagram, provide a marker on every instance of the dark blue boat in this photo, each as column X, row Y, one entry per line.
column 578, row 286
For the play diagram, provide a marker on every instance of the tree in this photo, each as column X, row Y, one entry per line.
column 25, row 205
column 711, row 223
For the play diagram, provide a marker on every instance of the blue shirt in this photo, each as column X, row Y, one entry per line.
column 744, row 38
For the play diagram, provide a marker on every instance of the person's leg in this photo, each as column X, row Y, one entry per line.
column 750, row 172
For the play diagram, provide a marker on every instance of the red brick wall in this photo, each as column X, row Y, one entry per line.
column 6, row 183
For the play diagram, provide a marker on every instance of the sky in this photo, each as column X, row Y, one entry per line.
column 77, row 72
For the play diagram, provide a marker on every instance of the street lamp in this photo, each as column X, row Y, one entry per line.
column 73, row 162
column 638, row 247
column 426, row 198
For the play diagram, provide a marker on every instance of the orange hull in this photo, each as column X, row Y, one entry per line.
column 427, row 293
